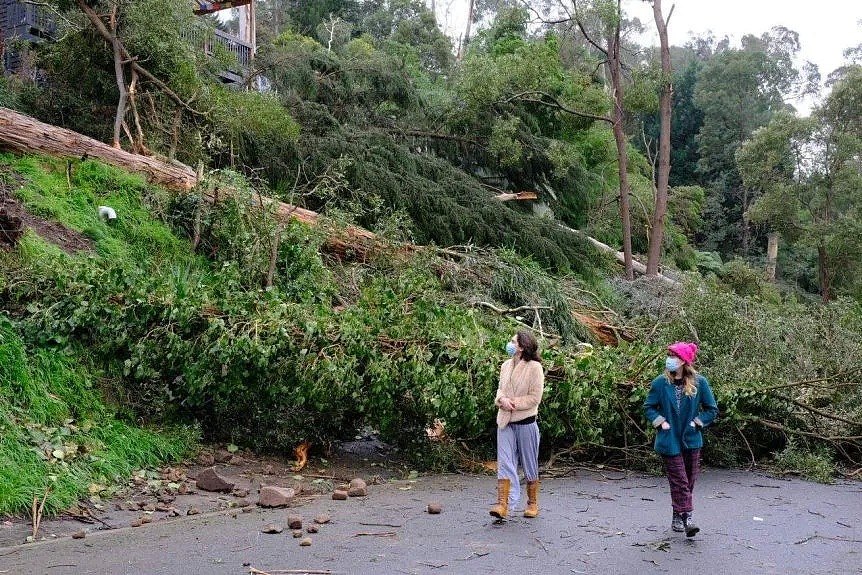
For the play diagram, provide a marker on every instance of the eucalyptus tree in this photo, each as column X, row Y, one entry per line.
column 738, row 91
column 656, row 237
column 808, row 176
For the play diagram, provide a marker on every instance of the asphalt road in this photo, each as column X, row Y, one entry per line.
column 589, row 523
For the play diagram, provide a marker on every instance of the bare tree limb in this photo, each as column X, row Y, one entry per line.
column 552, row 102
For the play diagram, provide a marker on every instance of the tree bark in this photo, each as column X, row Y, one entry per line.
column 615, row 65
column 122, row 102
column 23, row 134
column 656, row 238
column 466, row 39
column 772, row 256
column 823, row 273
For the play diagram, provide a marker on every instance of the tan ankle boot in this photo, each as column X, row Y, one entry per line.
column 532, row 509
column 501, row 509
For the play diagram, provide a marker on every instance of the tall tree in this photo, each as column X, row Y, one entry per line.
column 738, row 91
column 657, row 229
column 808, row 174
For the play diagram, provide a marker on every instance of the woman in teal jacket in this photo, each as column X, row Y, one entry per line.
column 679, row 405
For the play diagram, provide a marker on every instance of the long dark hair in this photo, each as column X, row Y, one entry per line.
column 529, row 347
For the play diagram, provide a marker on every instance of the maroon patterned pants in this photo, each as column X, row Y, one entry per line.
column 682, row 471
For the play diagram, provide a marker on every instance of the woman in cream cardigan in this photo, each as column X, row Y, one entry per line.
column 519, row 393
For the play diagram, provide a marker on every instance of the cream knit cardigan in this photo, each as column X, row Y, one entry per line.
column 523, row 382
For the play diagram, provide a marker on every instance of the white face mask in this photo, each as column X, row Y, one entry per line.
column 672, row 363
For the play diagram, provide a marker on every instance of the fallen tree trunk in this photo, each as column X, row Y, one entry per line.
column 23, row 134
column 620, row 257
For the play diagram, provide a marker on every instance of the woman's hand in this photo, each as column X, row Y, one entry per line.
column 665, row 425
column 506, row 404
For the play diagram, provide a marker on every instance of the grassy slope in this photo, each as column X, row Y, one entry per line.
column 56, row 430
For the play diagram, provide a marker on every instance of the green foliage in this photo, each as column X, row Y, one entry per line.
column 817, row 463
column 744, row 280
column 447, row 207
column 57, row 434
column 8, row 96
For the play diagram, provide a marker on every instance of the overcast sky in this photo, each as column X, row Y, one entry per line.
column 826, row 27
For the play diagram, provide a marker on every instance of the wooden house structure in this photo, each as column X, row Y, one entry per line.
column 30, row 22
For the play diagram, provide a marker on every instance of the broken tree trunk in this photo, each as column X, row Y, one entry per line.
column 21, row 133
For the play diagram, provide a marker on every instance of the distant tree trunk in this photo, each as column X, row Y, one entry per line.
column 746, row 231
column 615, row 65
column 656, row 238
column 772, row 256
column 823, row 273
column 466, row 39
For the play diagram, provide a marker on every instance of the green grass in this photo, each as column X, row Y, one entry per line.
column 57, row 433
column 134, row 235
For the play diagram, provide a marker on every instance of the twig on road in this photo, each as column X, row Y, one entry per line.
column 818, row 536
column 253, row 571
column 380, row 524
column 380, row 534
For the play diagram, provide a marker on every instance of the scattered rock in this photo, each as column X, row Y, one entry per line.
column 294, row 521
column 271, row 496
column 305, row 542
column 183, row 489
column 247, row 509
column 130, row 506
column 209, row 480
column 297, row 533
column 434, row 508
column 339, row 495
column 322, row 518
column 357, row 492
column 267, row 470
column 193, row 511
column 245, row 502
column 148, row 507
column 223, row 456
column 136, row 523
column 206, row 459
column 240, row 492
column 167, row 499
column 236, row 460
column 79, row 534
column 272, row 528
column 173, row 512
column 312, row 528
column 146, row 519
column 171, row 474
column 358, row 483
column 162, row 508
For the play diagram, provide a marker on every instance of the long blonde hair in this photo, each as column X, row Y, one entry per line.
column 689, row 375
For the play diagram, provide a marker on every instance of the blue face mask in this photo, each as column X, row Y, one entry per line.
column 672, row 363
column 511, row 349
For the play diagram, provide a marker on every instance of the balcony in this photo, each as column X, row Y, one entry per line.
column 234, row 46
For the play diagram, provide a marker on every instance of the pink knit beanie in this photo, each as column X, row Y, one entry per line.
column 685, row 350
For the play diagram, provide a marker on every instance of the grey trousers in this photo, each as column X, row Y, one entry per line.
column 517, row 444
